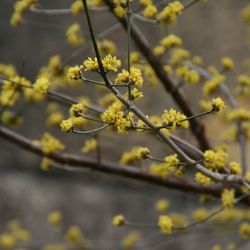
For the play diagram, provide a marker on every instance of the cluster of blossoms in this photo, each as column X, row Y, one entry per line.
column 118, row 220
column 215, row 159
column 169, row 166
column 74, row 36
column 50, row 144
column 239, row 114
column 210, row 86
column 19, row 8
column 135, row 154
column 110, row 63
column 116, row 117
column 162, row 205
column 166, row 224
column 77, row 6
column 133, row 77
column 227, row 63
column 172, row 119
column 131, row 239
column 178, row 55
column 75, row 120
column 89, row 145
column 187, row 75
column 166, row 43
column 228, row 198
column 203, row 179
column 14, row 235
column 170, row 12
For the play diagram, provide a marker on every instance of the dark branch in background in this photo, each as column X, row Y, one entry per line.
column 197, row 128
column 130, row 172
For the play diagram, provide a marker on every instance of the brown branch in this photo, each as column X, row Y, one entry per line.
column 172, row 182
column 197, row 128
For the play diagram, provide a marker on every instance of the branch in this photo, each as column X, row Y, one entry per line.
column 130, row 172
column 197, row 128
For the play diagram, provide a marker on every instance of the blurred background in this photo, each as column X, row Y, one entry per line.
column 90, row 200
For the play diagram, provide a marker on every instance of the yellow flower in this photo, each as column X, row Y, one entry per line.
column 218, row 104
column 200, row 214
column 45, row 164
column 130, row 239
column 74, row 73
column 91, row 64
column 173, row 119
column 235, row 167
column 228, row 197
column 227, row 63
column 74, row 36
column 118, row 220
column 244, row 230
column 171, row 41
column 50, row 144
column 7, row 241
column 111, row 63
column 75, row 236
column 137, row 153
column 150, row 11
column 89, row 146
column 162, row 205
column 166, row 224
column 170, row 12
column 119, row 11
column 136, row 94
column 203, row 179
column 66, row 125
column 41, row 85
column 215, row 159
column 245, row 14
column 55, row 218
column 76, row 7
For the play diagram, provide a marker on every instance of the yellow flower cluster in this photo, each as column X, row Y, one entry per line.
column 75, row 236
column 10, row 118
column 218, row 104
column 188, row 75
column 7, row 70
column 134, row 77
column 111, row 63
column 75, row 109
column 55, row 218
column 150, row 11
column 215, row 159
column 244, row 80
column 239, row 113
column 162, row 205
column 74, row 73
column 170, row 166
column 170, row 12
column 178, row 55
column 136, row 94
column 172, row 119
column 227, row 63
column 235, row 167
column 7, row 241
column 45, row 164
column 107, row 47
column 228, row 198
column 41, row 85
column 200, row 214
column 171, row 40
column 119, row 220
column 66, row 125
column 89, row 145
column 76, row 7
column 203, row 179
column 137, row 153
column 50, row 144
column 74, row 36
column 121, row 2
column 166, row 224
column 130, row 239
column 245, row 14
column 212, row 85
column 19, row 8
column 114, row 116
column 244, row 230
